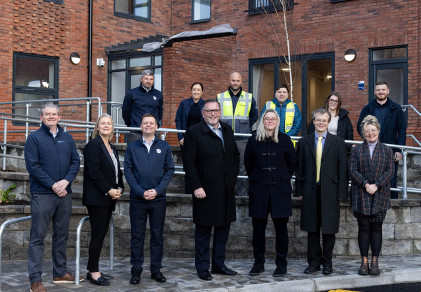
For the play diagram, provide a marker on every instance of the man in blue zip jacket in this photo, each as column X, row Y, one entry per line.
column 148, row 167
column 52, row 162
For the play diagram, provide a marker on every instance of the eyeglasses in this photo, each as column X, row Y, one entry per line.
column 333, row 100
column 371, row 131
column 213, row 111
column 270, row 119
column 319, row 121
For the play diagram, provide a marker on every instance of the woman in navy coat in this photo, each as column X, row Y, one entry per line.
column 270, row 161
column 188, row 114
column 102, row 185
column 371, row 170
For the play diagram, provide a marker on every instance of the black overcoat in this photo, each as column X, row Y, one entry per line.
column 99, row 174
column 269, row 166
column 333, row 182
column 208, row 166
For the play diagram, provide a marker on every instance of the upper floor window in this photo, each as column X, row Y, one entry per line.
column 264, row 6
column 138, row 9
column 201, row 10
column 35, row 77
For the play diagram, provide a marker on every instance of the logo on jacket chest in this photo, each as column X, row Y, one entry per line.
column 158, row 151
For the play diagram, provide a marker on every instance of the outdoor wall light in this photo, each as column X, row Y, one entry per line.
column 75, row 58
column 350, row 55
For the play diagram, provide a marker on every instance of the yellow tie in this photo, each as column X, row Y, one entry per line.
column 319, row 151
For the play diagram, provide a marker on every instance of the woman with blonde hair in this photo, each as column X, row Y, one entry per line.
column 371, row 170
column 102, row 186
column 270, row 161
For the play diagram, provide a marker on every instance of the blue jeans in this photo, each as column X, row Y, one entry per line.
column 44, row 208
column 139, row 212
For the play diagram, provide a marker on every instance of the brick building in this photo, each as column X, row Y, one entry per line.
column 39, row 36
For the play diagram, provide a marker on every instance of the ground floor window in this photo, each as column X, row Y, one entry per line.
column 35, row 77
column 391, row 65
column 313, row 80
column 124, row 74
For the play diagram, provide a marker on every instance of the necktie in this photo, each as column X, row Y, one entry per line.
column 319, row 151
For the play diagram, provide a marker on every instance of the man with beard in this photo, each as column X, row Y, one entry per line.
column 211, row 165
column 392, row 123
column 239, row 111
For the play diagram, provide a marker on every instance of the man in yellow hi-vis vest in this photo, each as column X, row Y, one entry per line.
column 239, row 111
column 287, row 110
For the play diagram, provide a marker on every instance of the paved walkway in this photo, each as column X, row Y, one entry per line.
column 181, row 276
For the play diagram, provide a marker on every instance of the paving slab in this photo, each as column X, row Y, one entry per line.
column 181, row 276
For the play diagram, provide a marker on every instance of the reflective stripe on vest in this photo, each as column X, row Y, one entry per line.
column 240, row 118
column 289, row 114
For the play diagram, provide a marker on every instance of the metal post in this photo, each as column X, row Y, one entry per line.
column 117, row 110
column 2, row 227
column 87, row 120
column 112, row 243
column 4, row 141
column 77, row 261
column 405, row 175
column 27, row 123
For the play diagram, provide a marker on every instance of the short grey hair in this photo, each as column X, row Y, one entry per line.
column 148, row 72
column 321, row 111
column 48, row 104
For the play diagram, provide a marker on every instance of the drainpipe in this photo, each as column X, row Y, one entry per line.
column 90, row 53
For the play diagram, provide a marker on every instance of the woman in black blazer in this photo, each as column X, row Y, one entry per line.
column 102, row 185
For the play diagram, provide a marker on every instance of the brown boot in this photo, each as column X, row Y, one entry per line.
column 37, row 287
column 374, row 268
column 364, row 267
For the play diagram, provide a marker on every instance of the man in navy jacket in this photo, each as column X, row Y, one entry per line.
column 52, row 162
column 148, row 167
column 392, row 123
column 142, row 100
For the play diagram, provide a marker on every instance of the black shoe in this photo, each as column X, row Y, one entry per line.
column 257, row 269
column 204, row 275
column 101, row 281
column 224, row 271
column 327, row 270
column 158, row 276
column 108, row 277
column 311, row 270
column 135, row 279
column 280, row 271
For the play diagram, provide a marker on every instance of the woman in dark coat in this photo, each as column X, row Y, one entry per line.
column 371, row 170
column 102, row 185
column 270, row 161
column 189, row 114
column 340, row 123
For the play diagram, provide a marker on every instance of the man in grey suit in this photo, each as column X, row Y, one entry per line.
column 52, row 162
column 321, row 181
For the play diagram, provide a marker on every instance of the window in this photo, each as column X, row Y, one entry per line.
column 34, row 77
column 390, row 65
column 313, row 77
column 124, row 74
column 264, row 6
column 137, row 9
column 201, row 10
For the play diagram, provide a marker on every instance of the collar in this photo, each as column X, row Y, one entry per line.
column 238, row 93
column 144, row 141
column 144, row 88
column 47, row 129
column 386, row 104
column 217, row 128
column 316, row 135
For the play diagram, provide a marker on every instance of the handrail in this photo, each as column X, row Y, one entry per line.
column 2, row 227
column 77, row 259
column 405, row 106
column 415, row 139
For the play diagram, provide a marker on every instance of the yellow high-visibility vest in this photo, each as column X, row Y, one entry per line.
column 289, row 114
column 238, row 120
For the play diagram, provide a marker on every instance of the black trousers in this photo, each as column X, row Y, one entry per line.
column 99, row 217
column 281, row 243
column 202, row 240
column 316, row 254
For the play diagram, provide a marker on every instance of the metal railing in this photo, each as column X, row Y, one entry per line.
column 406, row 106
column 77, row 257
column 2, row 227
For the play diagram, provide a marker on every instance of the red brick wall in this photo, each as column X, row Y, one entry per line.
column 320, row 26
